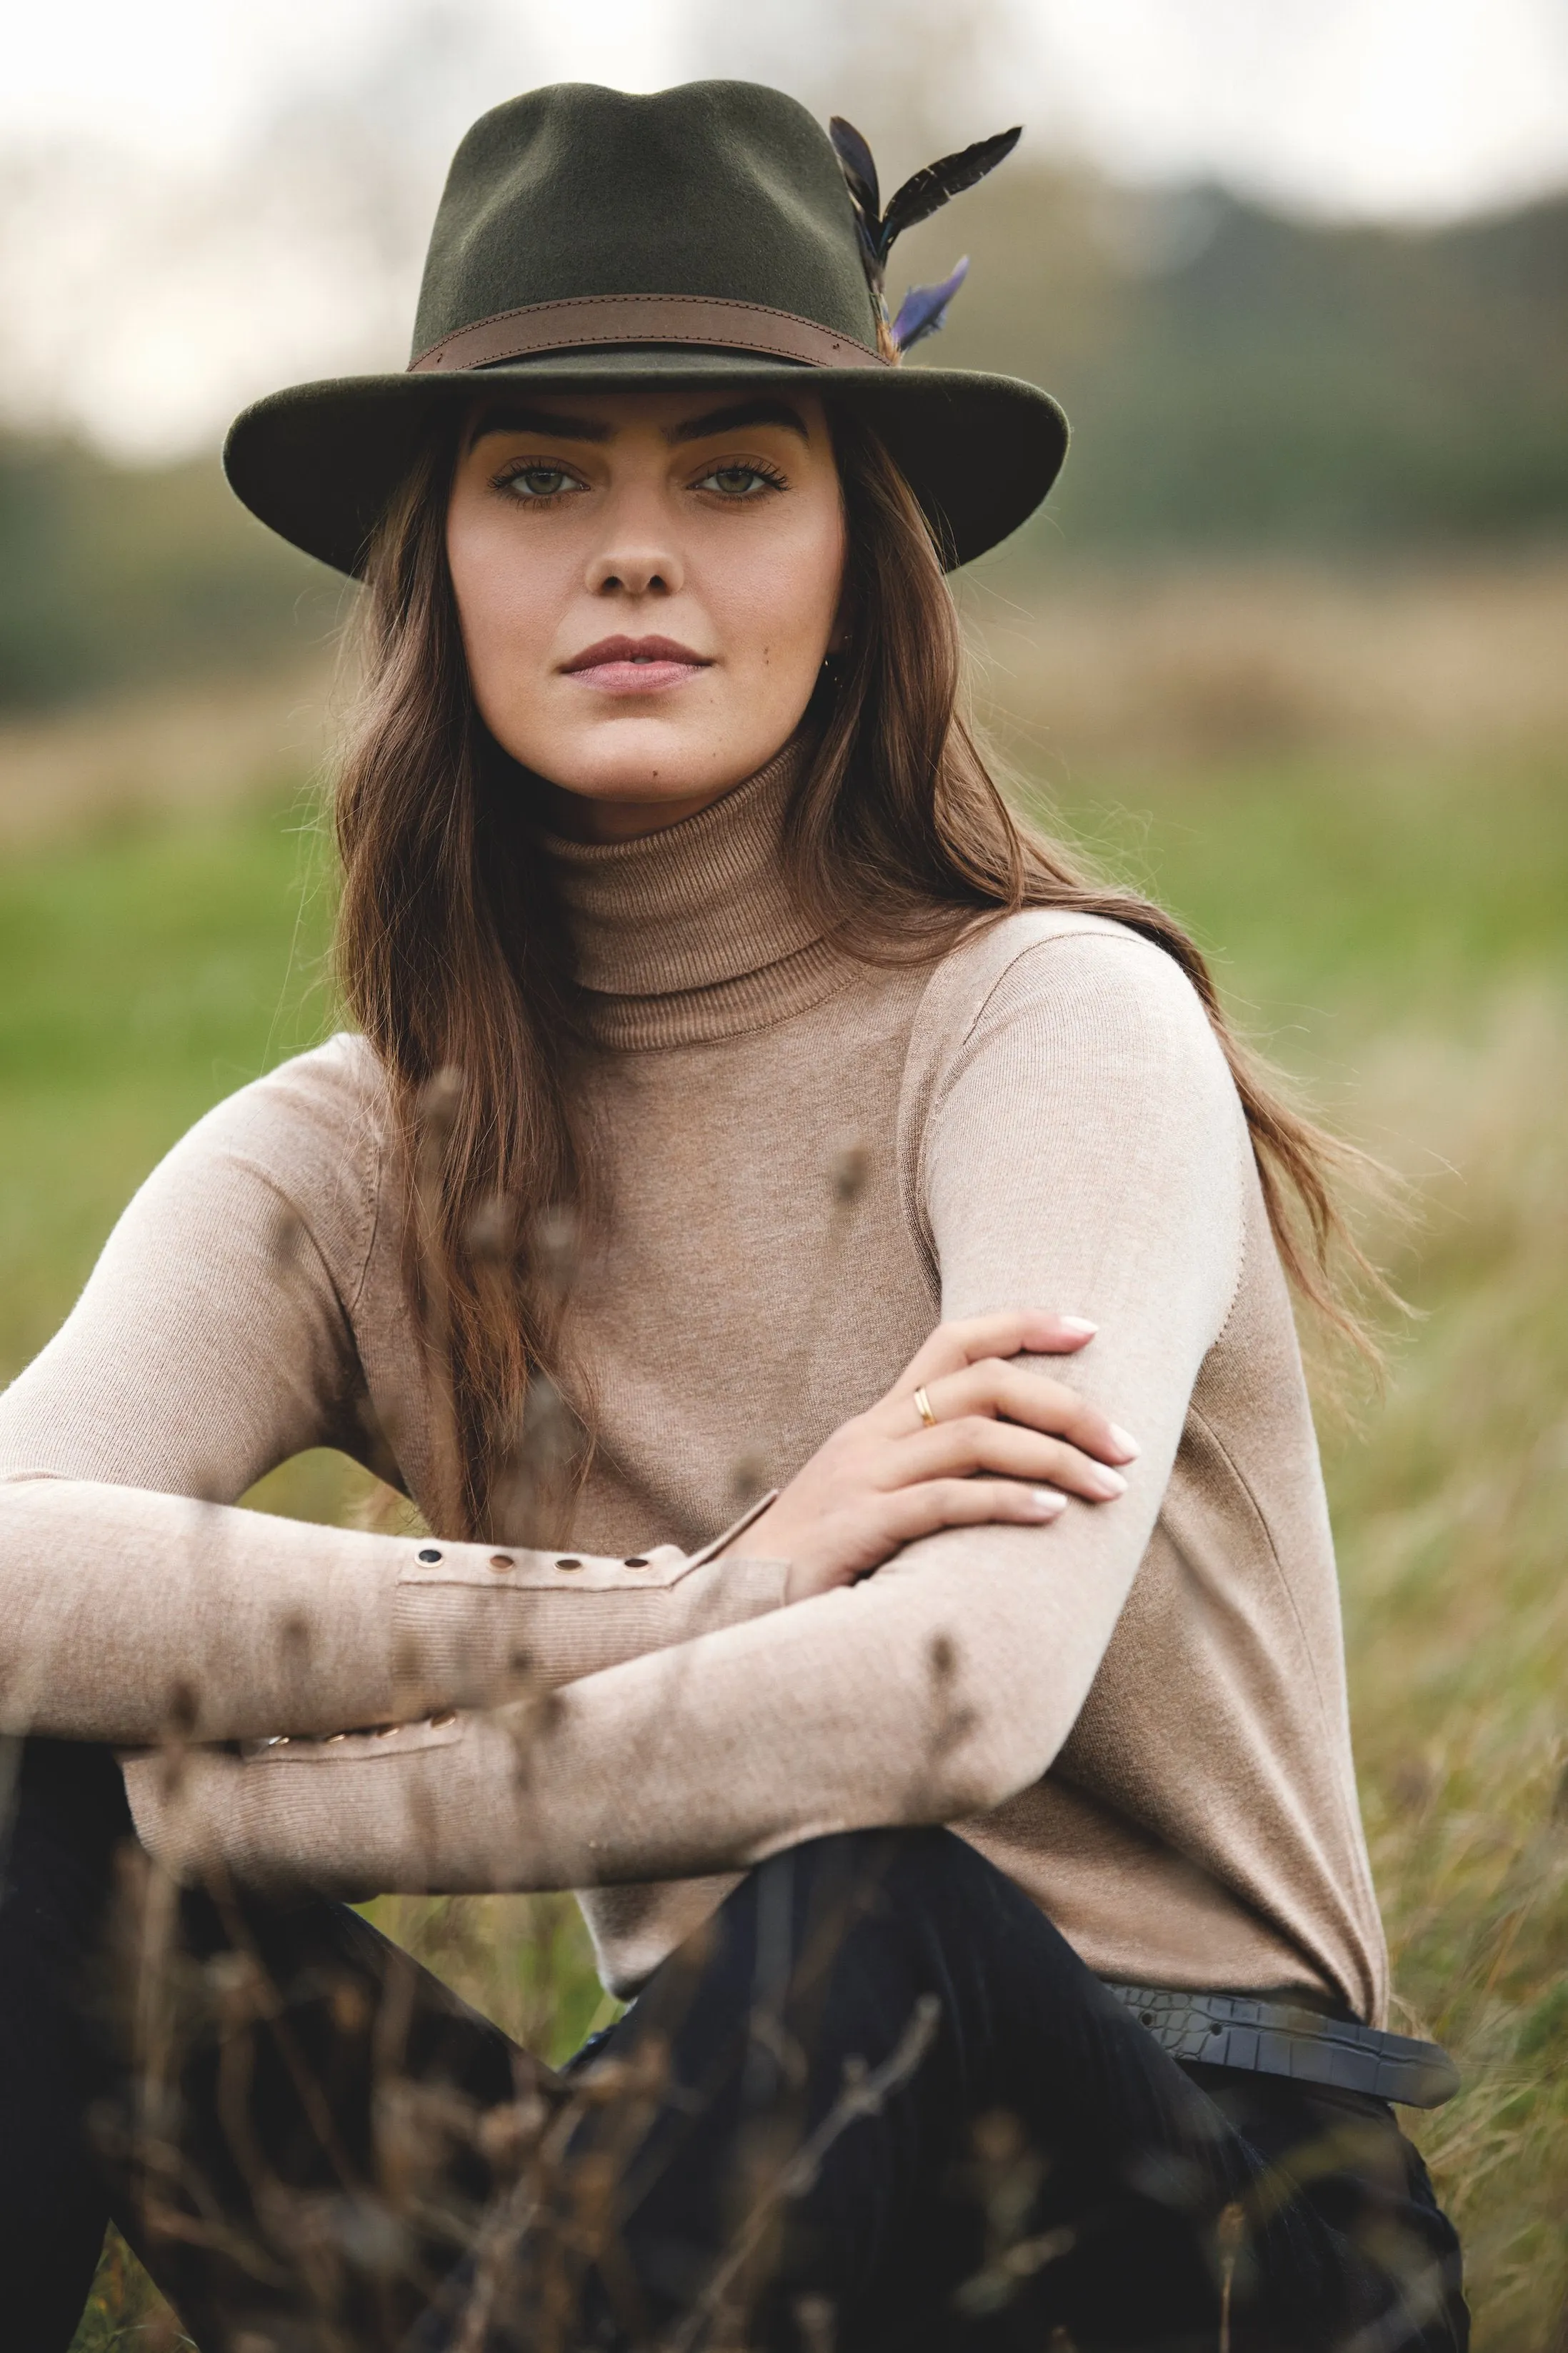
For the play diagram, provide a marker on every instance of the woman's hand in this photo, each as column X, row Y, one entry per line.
column 995, row 1441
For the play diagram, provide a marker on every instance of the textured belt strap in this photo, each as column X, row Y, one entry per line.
column 1275, row 2038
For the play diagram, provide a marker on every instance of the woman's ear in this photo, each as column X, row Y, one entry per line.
column 844, row 621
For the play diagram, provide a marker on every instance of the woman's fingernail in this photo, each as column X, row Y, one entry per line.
column 1107, row 1482
column 1046, row 1502
column 1124, row 1440
column 1078, row 1324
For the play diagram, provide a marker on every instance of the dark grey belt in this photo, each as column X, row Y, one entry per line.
column 1275, row 2038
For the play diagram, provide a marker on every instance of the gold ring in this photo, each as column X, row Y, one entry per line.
column 923, row 1406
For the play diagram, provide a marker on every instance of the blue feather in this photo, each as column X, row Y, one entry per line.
column 923, row 311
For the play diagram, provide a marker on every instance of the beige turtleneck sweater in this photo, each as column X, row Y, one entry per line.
column 1138, row 1711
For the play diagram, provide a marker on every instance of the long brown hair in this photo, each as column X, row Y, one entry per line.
column 452, row 957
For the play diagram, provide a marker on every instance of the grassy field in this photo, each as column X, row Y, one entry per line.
column 1389, row 918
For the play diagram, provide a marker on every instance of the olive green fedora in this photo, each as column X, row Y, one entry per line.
column 711, row 234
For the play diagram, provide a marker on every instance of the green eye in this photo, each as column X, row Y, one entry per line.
column 538, row 481
column 737, row 481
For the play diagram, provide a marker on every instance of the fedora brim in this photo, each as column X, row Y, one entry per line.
column 318, row 463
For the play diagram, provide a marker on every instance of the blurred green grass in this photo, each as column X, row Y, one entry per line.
column 1392, row 928
column 145, row 972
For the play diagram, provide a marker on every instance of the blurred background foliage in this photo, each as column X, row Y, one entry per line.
column 115, row 576
column 1238, row 377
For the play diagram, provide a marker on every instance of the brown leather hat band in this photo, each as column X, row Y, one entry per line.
column 598, row 318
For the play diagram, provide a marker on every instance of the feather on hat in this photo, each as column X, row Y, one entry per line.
column 923, row 311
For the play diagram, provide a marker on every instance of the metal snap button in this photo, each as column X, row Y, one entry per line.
column 569, row 1563
column 634, row 1561
column 501, row 1560
column 430, row 1554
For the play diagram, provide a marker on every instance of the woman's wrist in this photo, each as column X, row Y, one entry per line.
column 966, row 1436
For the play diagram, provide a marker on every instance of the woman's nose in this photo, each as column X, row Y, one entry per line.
column 635, row 557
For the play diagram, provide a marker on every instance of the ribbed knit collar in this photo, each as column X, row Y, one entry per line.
column 692, row 932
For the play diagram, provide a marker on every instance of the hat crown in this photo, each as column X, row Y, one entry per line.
column 724, row 189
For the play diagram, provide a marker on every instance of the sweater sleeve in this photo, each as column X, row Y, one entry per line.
column 1074, row 1141
column 214, row 1340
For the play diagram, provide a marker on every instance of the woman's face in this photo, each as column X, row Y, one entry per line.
column 649, row 584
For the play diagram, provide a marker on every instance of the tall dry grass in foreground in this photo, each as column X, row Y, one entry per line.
column 1451, row 1510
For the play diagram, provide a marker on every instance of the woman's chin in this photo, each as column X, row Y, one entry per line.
column 652, row 761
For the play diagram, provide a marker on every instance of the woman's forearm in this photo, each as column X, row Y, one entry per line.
column 919, row 1697
column 211, row 1342
column 129, row 1615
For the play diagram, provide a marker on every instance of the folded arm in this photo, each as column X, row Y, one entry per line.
column 1079, row 1139
column 214, row 1339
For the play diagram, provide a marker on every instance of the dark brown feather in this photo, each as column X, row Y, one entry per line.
column 929, row 190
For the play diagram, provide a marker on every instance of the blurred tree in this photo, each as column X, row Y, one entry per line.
column 1237, row 377
column 112, row 576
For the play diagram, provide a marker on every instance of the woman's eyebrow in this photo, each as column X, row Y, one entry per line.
column 511, row 416
column 740, row 413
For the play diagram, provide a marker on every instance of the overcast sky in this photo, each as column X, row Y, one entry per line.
column 145, row 149
column 1393, row 106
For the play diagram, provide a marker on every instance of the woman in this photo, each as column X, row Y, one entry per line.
column 678, row 904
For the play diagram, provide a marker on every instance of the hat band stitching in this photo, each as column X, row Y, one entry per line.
column 686, row 319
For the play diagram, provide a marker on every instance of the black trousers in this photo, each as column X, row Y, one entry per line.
column 878, row 2105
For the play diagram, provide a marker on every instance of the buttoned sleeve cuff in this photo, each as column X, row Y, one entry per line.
column 472, row 1620
column 455, row 1628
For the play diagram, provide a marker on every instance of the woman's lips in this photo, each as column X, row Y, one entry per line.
column 635, row 665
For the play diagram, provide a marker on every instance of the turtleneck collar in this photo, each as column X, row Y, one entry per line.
column 693, row 931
